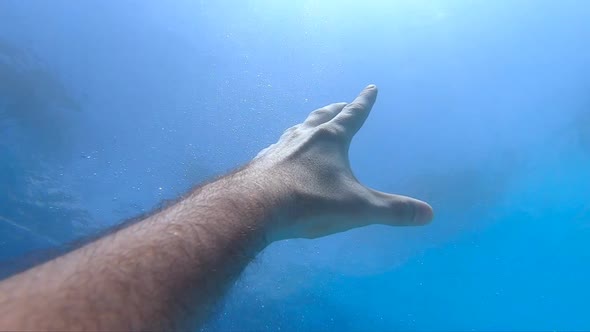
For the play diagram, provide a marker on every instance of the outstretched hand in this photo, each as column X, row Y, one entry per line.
column 311, row 167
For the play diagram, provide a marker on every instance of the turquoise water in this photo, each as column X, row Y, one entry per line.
column 108, row 108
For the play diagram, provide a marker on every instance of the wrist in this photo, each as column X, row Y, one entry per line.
column 253, row 200
column 276, row 192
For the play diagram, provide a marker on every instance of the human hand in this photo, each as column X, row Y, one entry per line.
column 310, row 165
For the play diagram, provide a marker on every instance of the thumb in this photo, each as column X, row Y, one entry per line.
column 397, row 210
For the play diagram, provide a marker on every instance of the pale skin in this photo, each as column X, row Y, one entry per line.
column 167, row 271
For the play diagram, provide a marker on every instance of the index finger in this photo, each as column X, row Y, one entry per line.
column 353, row 116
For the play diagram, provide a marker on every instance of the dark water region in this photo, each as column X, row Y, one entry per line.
column 34, row 98
column 41, row 212
column 37, row 210
column 35, row 114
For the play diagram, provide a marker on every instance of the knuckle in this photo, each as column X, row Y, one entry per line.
column 319, row 113
column 355, row 107
column 329, row 131
column 290, row 131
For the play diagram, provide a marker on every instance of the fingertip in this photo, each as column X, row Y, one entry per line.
column 423, row 213
column 369, row 92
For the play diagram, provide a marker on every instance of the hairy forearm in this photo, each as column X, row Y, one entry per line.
column 153, row 274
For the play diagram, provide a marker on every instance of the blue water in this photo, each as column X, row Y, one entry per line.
column 108, row 108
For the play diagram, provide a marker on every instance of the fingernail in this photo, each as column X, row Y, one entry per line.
column 371, row 86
